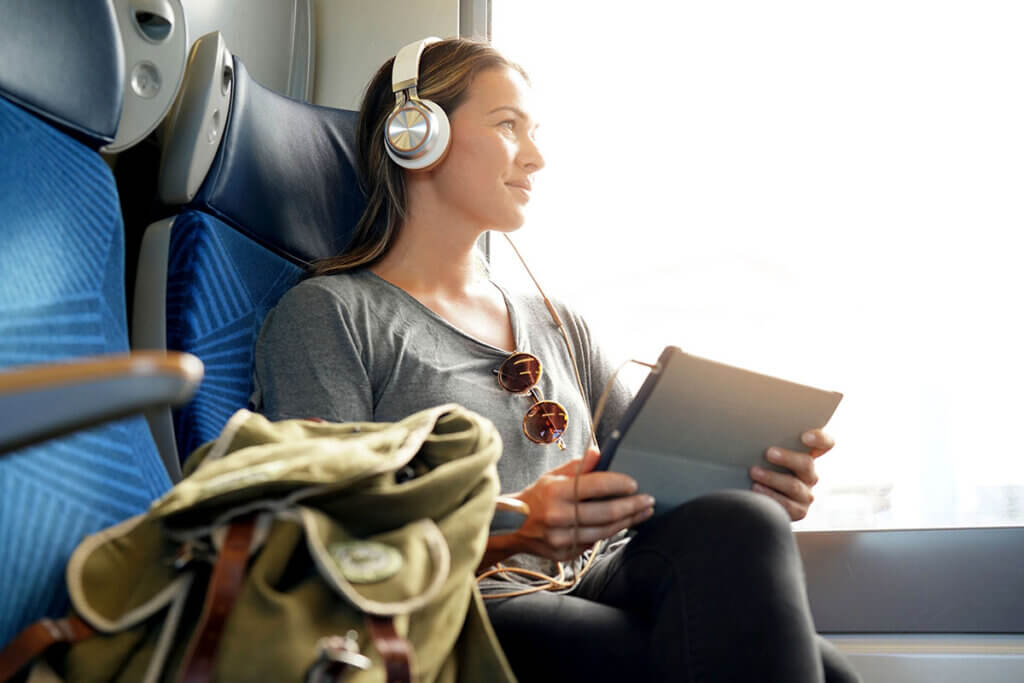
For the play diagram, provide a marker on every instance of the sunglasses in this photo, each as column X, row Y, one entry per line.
column 545, row 421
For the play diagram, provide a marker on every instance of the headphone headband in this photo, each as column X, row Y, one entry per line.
column 406, row 70
column 417, row 132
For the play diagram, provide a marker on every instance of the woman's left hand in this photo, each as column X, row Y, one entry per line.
column 793, row 491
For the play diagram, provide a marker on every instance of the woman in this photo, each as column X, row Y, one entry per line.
column 406, row 319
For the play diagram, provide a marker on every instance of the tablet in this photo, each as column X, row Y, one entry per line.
column 697, row 426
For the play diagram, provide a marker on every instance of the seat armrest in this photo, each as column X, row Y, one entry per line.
column 39, row 402
column 509, row 515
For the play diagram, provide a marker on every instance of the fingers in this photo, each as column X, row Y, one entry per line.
column 608, row 503
column 818, row 441
column 795, row 510
column 564, row 542
column 786, row 484
column 588, row 535
column 602, row 485
column 800, row 464
column 591, row 484
column 792, row 491
column 598, row 513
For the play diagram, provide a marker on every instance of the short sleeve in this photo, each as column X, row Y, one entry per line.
column 308, row 363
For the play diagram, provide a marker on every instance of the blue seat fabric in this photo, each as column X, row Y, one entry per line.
column 220, row 286
column 61, row 296
column 282, row 192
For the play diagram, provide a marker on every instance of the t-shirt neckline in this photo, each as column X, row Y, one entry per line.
column 509, row 305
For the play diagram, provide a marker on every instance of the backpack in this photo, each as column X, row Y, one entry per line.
column 298, row 550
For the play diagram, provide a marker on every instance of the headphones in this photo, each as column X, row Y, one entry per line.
column 417, row 132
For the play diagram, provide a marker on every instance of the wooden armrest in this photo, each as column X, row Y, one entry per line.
column 43, row 401
column 510, row 504
column 509, row 515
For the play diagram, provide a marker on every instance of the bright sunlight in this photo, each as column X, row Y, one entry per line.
column 828, row 192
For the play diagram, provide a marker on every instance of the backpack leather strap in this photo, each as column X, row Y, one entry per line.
column 225, row 585
column 393, row 648
column 36, row 639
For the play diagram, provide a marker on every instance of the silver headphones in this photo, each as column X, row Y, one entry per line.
column 417, row 132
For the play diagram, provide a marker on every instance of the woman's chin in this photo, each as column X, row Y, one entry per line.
column 507, row 229
column 511, row 225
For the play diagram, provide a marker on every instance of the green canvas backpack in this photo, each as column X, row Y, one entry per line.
column 298, row 550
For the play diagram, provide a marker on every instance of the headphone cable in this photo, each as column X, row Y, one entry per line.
column 593, row 419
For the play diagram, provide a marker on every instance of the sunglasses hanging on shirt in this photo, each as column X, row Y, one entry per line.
column 545, row 421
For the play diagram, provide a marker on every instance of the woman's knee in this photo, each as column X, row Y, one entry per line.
column 742, row 508
column 734, row 507
column 727, row 522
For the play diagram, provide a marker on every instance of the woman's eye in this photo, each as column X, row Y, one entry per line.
column 510, row 124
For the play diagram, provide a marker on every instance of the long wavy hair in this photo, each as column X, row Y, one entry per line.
column 447, row 69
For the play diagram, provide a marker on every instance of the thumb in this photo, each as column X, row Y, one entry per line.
column 569, row 469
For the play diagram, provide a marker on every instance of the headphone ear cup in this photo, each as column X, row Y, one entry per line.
column 435, row 144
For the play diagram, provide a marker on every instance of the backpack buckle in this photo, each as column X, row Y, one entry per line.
column 334, row 655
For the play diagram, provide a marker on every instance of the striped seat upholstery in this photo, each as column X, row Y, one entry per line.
column 280, row 193
column 61, row 296
column 220, row 286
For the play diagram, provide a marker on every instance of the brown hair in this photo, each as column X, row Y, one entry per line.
column 447, row 69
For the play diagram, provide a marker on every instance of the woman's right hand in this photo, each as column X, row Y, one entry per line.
column 608, row 504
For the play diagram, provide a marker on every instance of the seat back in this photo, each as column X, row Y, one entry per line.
column 62, row 291
column 277, row 191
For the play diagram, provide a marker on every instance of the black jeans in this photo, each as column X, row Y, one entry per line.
column 710, row 591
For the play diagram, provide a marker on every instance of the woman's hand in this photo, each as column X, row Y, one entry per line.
column 609, row 503
column 793, row 491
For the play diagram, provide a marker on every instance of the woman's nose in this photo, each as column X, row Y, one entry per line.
column 530, row 156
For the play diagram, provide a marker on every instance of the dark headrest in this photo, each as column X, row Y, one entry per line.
column 285, row 173
column 63, row 60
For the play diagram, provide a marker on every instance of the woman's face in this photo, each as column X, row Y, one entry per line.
column 488, row 173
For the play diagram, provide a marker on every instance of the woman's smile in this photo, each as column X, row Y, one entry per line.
column 522, row 188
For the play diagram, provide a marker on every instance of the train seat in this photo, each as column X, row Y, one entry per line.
column 262, row 185
column 64, row 361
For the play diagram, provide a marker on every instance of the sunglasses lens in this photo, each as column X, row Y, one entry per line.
column 519, row 372
column 545, row 422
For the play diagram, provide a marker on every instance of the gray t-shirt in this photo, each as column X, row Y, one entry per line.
column 354, row 347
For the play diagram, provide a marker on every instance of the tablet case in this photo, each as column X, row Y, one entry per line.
column 697, row 426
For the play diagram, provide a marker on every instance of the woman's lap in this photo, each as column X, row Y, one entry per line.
column 565, row 638
column 712, row 590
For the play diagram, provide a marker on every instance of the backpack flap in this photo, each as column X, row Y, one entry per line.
column 256, row 459
column 123, row 575
column 390, row 574
column 123, row 583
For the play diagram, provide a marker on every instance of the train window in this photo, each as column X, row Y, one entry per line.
column 830, row 192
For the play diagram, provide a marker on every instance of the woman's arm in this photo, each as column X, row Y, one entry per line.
column 308, row 361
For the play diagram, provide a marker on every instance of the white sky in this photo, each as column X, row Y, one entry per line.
column 830, row 192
